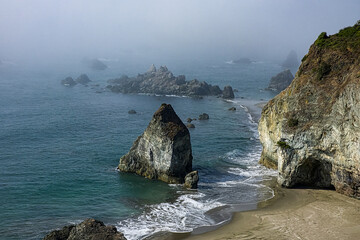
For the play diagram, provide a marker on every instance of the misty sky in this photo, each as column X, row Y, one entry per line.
column 169, row 29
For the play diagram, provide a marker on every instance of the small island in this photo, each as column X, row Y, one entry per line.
column 161, row 81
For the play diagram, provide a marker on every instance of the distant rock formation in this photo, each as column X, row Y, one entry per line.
column 83, row 79
column 228, row 93
column 68, row 82
column 280, row 81
column 310, row 132
column 95, row 64
column 162, row 81
column 163, row 151
column 291, row 61
column 90, row 229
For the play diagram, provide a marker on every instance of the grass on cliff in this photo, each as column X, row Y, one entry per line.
column 346, row 39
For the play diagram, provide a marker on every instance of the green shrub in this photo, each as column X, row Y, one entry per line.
column 292, row 122
column 283, row 145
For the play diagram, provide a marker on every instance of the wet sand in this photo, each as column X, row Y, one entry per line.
column 293, row 214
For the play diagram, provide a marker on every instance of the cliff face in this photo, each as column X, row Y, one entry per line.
column 163, row 151
column 310, row 132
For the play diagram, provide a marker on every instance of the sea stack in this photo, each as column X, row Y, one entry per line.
column 281, row 81
column 310, row 132
column 163, row 151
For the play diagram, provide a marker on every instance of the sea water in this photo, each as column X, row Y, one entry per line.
column 59, row 148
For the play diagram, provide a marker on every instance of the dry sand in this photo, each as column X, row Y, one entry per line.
column 294, row 214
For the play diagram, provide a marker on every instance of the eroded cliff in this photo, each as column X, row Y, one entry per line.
column 310, row 132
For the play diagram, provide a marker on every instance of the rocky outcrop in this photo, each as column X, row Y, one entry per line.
column 83, row 79
column 162, row 81
column 90, row 229
column 163, row 151
column 190, row 125
column 310, row 132
column 191, row 180
column 132, row 111
column 204, row 116
column 291, row 60
column 281, row 81
column 68, row 82
column 228, row 93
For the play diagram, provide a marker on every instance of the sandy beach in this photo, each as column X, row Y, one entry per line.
column 294, row 214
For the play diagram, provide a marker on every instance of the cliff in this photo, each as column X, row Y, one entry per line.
column 162, row 81
column 163, row 151
column 310, row 132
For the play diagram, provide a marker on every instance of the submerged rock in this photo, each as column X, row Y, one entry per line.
column 132, row 111
column 191, row 180
column 310, row 132
column 163, row 151
column 228, row 93
column 68, row 82
column 232, row 109
column 90, row 229
column 281, row 81
column 203, row 116
column 189, row 120
column 83, row 79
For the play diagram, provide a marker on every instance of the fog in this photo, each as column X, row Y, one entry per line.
column 51, row 31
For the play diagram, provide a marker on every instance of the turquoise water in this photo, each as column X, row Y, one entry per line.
column 60, row 147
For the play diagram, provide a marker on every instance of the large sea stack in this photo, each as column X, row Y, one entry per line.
column 163, row 151
column 310, row 132
column 281, row 81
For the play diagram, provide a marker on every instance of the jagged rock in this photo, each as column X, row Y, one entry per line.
column 228, row 93
column 310, row 132
column 291, row 60
column 132, row 111
column 232, row 109
column 191, row 180
column 163, row 82
column 281, row 81
column 83, row 79
column 90, row 229
column 203, row 116
column 190, row 125
column 163, row 151
column 68, row 82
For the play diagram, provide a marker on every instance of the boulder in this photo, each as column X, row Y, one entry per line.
column 163, row 151
column 190, row 125
column 228, row 92
column 310, row 132
column 90, row 229
column 132, row 111
column 68, row 82
column 232, row 109
column 191, row 180
column 203, row 116
column 281, row 81
column 189, row 120
column 83, row 79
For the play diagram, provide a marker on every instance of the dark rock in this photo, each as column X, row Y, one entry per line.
column 90, row 229
column 190, row 125
column 68, row 82
column 235, row 90
column 191, row 180
column 232, row 109
column 163, row 151
column 242, row 61
column 281, row 81
column 132, row 111
column 203, row 116
column 83, row 79
column 189, row 120
column 228, row 93
column 163, row 82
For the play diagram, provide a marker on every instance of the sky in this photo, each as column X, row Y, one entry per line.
column 44, row 30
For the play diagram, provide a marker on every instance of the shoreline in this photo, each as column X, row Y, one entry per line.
column 292, row 214
column 298, row 213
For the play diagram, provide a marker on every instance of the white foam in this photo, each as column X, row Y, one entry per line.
column 185, row 214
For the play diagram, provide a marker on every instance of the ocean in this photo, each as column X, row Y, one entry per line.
column 59, row 149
